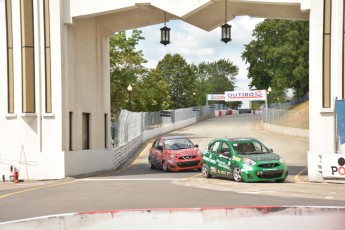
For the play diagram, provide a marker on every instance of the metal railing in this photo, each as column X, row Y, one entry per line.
column 129, row 125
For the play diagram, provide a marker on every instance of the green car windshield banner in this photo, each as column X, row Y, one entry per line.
column 340, row 110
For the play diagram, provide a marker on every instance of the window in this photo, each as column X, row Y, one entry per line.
column 28, row 69
column 159, row 145
column 105, row 130
column 225, row 148
column 326, row 77
column 70, row 131
column 10, row 74
column 86, row 131
column 48, row 90
column 214, row 146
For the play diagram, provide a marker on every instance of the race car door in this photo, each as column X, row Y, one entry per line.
column 223, row 161
column 212, row 157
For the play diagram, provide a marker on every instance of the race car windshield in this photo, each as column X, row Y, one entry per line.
column 246, row 148
column 175, row 144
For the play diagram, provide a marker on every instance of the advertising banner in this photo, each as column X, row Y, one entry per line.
column 215, row 97
column 252, row 95
column 340, row 111
column 333, row 166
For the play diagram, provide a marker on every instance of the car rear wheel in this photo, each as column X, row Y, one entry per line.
column 236, row 174
column 205, row 171
column 165, row 166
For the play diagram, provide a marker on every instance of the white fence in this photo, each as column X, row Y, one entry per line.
column 130, row 125
column 134, row 128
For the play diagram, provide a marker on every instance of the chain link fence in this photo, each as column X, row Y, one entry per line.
column 288, row 118
column 129, row 125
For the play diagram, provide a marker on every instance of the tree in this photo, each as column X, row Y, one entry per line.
column 279, row 56
column 180, row 77
column 216, row 77
column 152, row 93
column 125, row 67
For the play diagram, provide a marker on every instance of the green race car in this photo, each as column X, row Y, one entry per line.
column 242, row 159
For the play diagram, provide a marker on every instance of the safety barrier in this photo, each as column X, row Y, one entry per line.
column 198, row 218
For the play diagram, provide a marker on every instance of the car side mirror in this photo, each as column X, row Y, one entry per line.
column 197, row 145
column 271, row 150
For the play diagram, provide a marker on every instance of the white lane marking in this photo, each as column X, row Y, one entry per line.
column 135, row 179
column 254, row 193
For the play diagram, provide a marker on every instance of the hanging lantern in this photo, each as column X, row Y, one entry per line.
column 226, row 29
column 226, row 33
column 165, row 33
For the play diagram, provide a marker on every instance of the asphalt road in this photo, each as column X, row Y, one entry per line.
column 135, row 186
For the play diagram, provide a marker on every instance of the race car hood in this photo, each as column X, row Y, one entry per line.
column 263, row 157
column 184, row 152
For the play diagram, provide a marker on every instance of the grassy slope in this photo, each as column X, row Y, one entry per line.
column 297, row 117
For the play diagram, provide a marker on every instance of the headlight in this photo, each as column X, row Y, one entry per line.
column 248, row 161
column 199, row 153
column 282, row 160
column 172, row 156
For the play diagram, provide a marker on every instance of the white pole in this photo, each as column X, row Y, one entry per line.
column 266, row 106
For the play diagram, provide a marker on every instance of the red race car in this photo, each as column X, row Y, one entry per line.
column 174, row 153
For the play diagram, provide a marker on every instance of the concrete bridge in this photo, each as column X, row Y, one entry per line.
column 54, row 68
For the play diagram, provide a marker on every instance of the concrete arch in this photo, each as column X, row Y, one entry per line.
column 79, row 32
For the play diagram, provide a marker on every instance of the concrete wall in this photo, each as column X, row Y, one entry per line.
column 24, row 135
column 288, row 131
column 321, row 120
column 277, row 218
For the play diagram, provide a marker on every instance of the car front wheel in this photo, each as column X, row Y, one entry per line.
column 236, row 174
column 205, row 172
column 165, row 166
column 151, row 163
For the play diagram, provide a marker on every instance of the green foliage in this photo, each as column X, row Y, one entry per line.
column 180, row 77
column 151, row 93
column 215, row 78
column 279, row 56
column 173, row 84
column 125, row 67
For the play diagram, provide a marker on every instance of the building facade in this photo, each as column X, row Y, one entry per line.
column 54, row 74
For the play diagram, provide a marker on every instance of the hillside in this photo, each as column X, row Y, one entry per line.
column 296, row 117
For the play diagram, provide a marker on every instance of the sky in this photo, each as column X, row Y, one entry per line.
column 197, row 45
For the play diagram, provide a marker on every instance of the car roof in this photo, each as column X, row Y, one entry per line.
column 235, row 139
column 174, row 137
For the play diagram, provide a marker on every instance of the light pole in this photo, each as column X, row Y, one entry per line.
column 194, row 94
column 269, row 90
column 251, row 103
column 129, row 89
